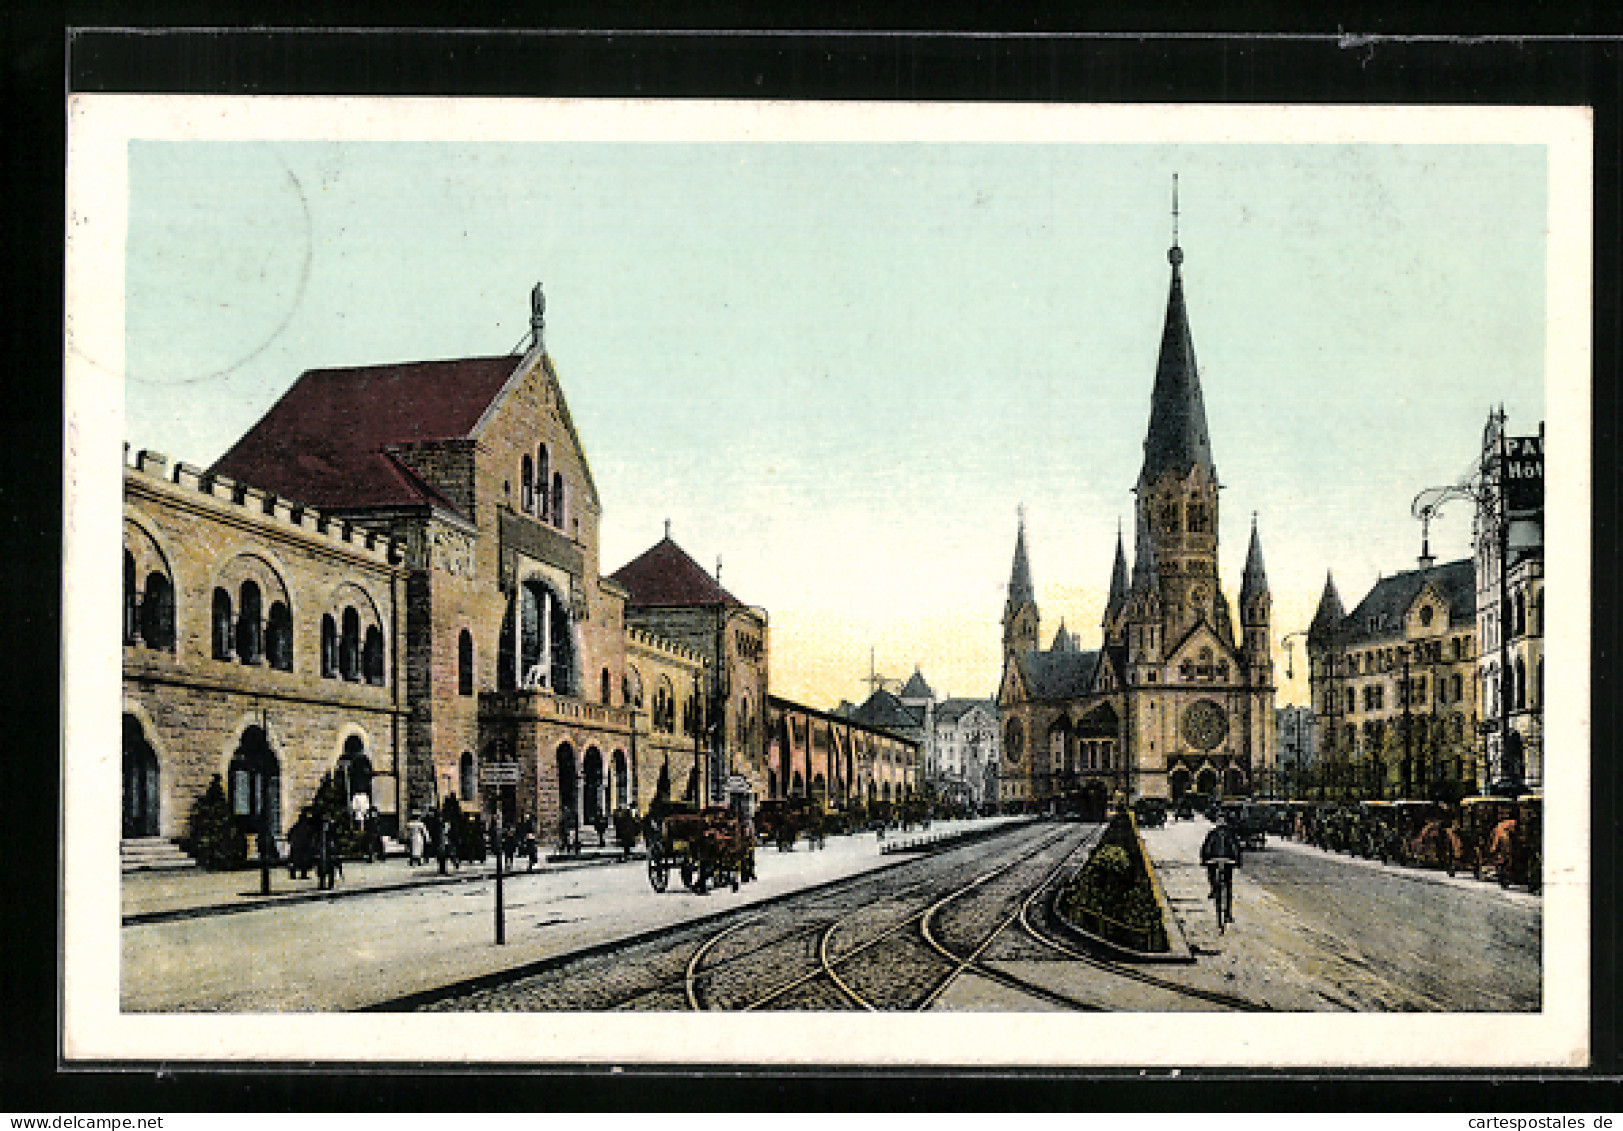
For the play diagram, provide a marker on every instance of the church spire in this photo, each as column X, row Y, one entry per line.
column 1254, row 583
column 1118, row 580
column 1146, row 573
column 1020, row 591
column 1177, row 438
column 1021, row 622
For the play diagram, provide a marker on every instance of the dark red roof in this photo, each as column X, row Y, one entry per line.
column 324, row 442
column 666, row 577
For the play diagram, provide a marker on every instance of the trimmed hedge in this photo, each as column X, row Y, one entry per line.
column 1112, row 895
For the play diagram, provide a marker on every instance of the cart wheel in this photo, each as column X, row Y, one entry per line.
column 658, row 874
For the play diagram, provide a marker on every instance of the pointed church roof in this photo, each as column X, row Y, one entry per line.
column 1118, row 580
column 1177, row 439
column 1255, row 580
column 1146, row 573
column 1064, row 640
column 1020, row 591
column 1327, row 620
column 325, row 441
column 666, row 577
column 916, row 688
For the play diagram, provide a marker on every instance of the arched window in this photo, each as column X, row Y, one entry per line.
column 222, row 625
column 1521, row 684
column 562, row 650
column 465, row 776
column 1197, row 520
column 558, row 499
column 279, row 637
column 464, row 663
column 1520, row 623
column 250, row 626
column 607, row 690
column 664, row 708
column 329, row 646
column 1457, row 686
column 349, row 645
column 158, row 612
column 131, row 623
column 543, row 473
column 526, row 486
column 372, row 655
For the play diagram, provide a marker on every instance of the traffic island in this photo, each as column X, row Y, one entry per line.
column 1114, row 904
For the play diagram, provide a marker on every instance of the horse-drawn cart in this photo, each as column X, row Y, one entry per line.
column 707, row 847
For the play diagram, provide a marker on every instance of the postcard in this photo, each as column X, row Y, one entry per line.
column 838, row 584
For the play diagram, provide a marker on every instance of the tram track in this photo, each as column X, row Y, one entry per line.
column 900, row 973
column 896, row 940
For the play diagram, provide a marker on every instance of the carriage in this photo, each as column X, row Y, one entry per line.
column 1480, row 818
column 1506, row 834
column 1151, row 812
column 781, row 820
column 705, row 846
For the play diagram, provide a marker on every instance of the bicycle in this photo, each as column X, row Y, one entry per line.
column 1220, row 870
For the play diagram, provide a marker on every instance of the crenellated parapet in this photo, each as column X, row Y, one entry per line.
column 664, row 646
column 353, row 537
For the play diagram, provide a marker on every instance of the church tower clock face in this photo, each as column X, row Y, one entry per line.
column 1204, row 725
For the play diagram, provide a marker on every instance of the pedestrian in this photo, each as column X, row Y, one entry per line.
column 301, row 846
column 1220, row 853
column 326, row 858
column 416, row 840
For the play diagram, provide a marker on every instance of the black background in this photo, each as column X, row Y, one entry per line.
column 1256, row 53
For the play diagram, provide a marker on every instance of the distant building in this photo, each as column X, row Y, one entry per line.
column 671, row 597
column 1295, row 742
column 1394, row 693
column 966, row 751
column 836, row 760
column 958, row 738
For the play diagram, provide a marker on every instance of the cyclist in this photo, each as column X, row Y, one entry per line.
column 1220, row 852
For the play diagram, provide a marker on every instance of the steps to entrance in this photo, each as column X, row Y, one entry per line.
column 151, row 854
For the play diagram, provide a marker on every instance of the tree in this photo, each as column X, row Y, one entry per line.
column 212, row 836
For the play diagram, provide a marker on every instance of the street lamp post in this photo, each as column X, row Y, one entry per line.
column 1488, row 492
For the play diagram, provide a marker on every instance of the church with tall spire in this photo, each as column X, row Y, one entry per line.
column 1177, row 698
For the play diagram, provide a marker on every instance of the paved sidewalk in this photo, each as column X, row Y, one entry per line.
column 154, row 896
column 1270, row 954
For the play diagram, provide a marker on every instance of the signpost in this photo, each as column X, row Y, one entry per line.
column 499, row 773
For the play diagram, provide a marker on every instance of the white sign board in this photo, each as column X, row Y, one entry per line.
column 499, row 773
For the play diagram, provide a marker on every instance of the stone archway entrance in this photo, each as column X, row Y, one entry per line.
column 592, row 810
column 256, row 783
column 1178, row 782
column 355, row 777
column 568, row 790
column 140, row 781
column 1206, row 781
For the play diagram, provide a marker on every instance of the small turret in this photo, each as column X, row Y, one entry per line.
column 1021, row 623
column 1118, row 583
column 1321, row 633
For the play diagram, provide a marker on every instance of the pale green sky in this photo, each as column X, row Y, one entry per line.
column 843, row 367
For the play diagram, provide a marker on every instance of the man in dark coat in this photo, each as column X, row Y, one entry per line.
column 1220, row 852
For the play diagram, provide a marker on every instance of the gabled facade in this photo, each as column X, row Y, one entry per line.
column 669, row 595
column 1175, row 700
column 409, row 553
column 1395, row 700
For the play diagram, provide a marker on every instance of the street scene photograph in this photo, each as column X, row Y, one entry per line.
column 602, row 571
